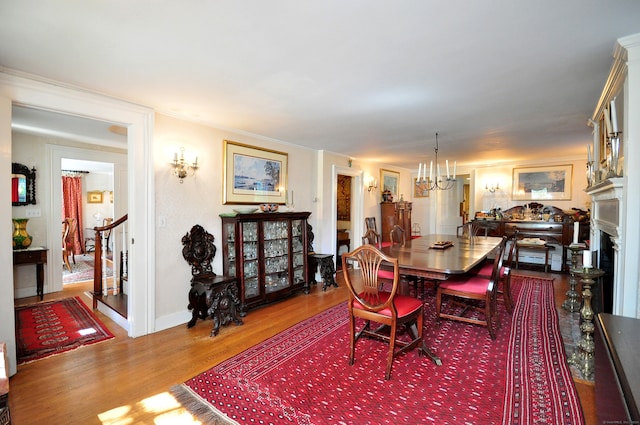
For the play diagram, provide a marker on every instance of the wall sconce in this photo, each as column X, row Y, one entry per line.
column 180, row 168
column 492, row 188
column 373, row 184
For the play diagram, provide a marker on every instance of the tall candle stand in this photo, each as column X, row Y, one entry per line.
column 572, row 303
column 582, row 358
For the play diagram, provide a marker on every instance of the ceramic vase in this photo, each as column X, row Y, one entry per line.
column 21, row 239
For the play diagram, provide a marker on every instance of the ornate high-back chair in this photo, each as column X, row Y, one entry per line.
column 210, row 294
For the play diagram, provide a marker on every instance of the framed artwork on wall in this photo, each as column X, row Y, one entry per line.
column 543, row 183
column 390, row 181
column 94, row 197
column 417, row 192
column 254, row 175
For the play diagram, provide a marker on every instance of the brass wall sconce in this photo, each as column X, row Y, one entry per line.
column 181, row 169
column 492, row 188
column 373, row 184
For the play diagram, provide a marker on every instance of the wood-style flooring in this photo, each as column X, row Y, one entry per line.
column 126, row 380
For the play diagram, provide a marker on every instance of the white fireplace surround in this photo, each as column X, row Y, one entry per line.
column 607, row 204
column 616, row 201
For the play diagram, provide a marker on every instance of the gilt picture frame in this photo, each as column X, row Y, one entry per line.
column 417, row 192
column 94, row 197
column 390, row 180
column 254, row 175
column 543, row 183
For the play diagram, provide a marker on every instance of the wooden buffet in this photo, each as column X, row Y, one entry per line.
column 267, row 253
column 395, row 213
column 560, row 233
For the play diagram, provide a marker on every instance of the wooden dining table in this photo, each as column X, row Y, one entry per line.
column 437, row 257
column 427, row 257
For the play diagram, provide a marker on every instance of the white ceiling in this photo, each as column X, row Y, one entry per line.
column 371, row 79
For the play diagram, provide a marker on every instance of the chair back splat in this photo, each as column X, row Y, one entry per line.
column 369, row 303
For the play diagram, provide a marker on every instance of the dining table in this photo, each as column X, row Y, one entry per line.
column 438, row 257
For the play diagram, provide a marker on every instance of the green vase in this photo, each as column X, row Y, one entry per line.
column 21, row 238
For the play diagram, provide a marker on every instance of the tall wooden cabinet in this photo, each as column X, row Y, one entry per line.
column 395, row 213
column 267, row 253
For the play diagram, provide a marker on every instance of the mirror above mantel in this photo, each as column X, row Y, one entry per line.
column 23, row 185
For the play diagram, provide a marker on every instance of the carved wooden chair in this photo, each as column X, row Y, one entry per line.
column 473, row 293
column 68, row 245
column 389, row 309
column 210, row 295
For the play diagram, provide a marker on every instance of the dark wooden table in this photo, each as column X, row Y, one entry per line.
column 418, row 257
column 37, row 256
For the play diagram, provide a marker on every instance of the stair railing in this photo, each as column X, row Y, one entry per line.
column 100, row 284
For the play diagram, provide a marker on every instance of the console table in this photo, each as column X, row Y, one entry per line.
column 37, row 256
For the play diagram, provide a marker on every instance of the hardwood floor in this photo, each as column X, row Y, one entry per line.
column 126, row 380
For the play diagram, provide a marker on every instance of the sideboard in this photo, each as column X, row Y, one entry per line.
column 267, row 253
column 617, row 369
column 560, row 233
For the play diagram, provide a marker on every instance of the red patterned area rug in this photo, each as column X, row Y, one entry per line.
column 53, row 327
column 302, row 375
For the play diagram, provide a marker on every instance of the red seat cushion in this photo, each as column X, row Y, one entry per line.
column 404, row 305
column 385, row 274
column 471, row 284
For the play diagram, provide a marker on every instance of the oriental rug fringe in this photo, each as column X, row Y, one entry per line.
column 53, row 327
column 302, row 375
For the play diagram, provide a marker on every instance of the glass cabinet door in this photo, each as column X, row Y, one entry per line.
column 297, row 248
column 230, row 258
column 276, row 249
column 250, row 259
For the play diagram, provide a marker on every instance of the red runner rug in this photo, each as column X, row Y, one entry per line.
column 302, row 375
column 53, row 327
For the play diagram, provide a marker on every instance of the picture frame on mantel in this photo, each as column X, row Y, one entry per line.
column 254, row 175
column 543, row 183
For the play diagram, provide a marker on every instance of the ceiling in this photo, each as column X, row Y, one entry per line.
column 371, row 79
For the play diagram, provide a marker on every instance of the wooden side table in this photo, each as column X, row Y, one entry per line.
column 37, row 256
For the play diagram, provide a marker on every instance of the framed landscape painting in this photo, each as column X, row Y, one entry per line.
column 417, row 192
column 254, row 175
column 542, row 183
column 390, row 181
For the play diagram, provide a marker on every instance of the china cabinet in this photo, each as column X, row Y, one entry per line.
column 267, row 253
column 395, row 213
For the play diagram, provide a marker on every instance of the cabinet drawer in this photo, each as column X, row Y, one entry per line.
column 541, row 230
column 29, row 257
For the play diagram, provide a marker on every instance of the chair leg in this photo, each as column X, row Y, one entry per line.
column 392, row 347
column 506, row 294
column 352, row 344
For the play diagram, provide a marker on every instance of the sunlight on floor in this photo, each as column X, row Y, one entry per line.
column 166, row 409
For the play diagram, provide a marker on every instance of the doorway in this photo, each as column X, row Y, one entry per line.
column 344, row 214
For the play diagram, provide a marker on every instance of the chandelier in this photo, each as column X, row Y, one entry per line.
column 426, row 182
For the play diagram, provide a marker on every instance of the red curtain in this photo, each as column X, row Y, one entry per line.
column 72, row 207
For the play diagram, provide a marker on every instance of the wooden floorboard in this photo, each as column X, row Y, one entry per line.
column 126, row 380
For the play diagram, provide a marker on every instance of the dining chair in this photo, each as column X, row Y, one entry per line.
column 504, row 278
column 370, row 223
column 396, row 235
column 474, row 293
column 389, row 309
column 68, row 234
column 372, row 237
